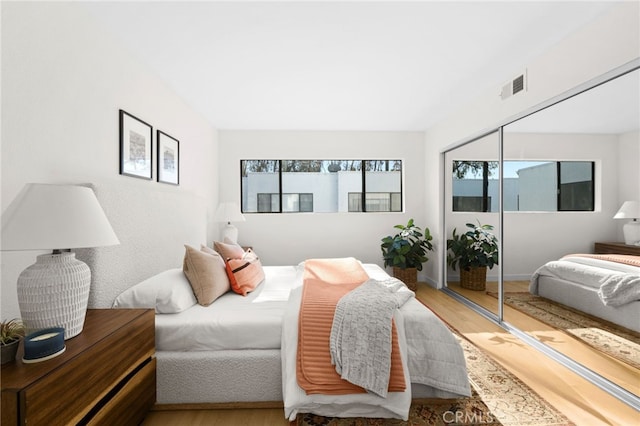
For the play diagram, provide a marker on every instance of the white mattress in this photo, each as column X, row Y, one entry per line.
column 232, row 321
column 236, row 322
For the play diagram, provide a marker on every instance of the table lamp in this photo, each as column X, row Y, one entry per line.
column 229, row 212
column 54, row 291
column 631, row 230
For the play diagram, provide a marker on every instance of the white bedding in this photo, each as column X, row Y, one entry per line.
column 586, row 271
column 434, row 359
column 267, row 320
column 232, row 321
column 237, row 322
column 582, row 283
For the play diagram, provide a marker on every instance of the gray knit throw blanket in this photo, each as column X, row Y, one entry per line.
column 360, row 341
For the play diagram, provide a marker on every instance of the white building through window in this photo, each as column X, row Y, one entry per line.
column 321, row 186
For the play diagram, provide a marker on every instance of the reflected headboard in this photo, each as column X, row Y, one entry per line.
column 153, row 224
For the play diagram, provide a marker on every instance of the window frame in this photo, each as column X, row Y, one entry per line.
column 363, row 171
column 485, row 197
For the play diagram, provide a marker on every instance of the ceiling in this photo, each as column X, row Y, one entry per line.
column 610, row 108
column 397, row 66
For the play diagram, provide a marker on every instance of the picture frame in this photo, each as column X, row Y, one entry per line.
column 136, row 147
column 168, row 158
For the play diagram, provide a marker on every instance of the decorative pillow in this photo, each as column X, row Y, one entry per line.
column 228, row 250
column 245, row 274
column 168, row 292
column 209, row 250
column 206, row 275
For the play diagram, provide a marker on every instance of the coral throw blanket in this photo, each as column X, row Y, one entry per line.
column 325, row 282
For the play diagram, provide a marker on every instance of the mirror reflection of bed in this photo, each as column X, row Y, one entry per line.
column 598, row 126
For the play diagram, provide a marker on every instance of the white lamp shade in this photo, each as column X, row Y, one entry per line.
column 629, row 210
column 46, row 216
column 54, row 291
column 229, row 212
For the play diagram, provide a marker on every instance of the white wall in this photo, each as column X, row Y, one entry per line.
column 609, row 42
column 533, row 238
column 628, row 173
column 281, row 239
column 63, row 81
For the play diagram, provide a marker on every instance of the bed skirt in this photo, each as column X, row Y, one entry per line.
column 232, row 377
column 586, row 299
column 205, row 377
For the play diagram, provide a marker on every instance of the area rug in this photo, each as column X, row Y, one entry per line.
column 618, row 342
column 499, row 398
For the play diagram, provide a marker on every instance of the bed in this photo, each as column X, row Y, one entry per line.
column 232, row 352
column 605, row 286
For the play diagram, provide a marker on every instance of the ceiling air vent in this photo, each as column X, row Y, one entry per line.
column 515, row 86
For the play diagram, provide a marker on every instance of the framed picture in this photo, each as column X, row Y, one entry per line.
column 168, row 159
column 136, row 152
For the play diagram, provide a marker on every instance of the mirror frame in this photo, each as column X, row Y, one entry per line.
column 583, row 371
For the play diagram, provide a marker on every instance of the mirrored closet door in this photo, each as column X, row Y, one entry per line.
column 472, row 206
column 568, row 164
column 563, row 173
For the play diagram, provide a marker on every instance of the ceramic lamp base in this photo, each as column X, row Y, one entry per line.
column 54, row 292
column 230, row 233
column 631, row 232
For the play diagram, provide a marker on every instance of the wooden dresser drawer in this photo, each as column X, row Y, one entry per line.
column 133, row 400
column 89, row 376
column 616, row 248
column 113, row 354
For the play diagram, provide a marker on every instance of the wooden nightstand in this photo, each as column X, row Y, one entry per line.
column 616, row 248
column 107, row 375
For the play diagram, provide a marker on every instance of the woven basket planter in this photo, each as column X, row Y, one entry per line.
column 474, row 278
column 408, row 276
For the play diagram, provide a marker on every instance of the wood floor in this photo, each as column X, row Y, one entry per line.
column 616, row 371
column 582, row 402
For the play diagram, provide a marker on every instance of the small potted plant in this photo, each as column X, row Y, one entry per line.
column 10, row 334
column 473, row 252
column 406, row 252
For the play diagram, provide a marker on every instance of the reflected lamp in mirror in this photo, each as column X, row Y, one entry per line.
column 631, row 230
column 54, row 291
column 229, row 212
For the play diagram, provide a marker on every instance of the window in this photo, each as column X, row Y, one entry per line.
column 376, row 202
column 297, row 203
column 527, row 186
column 268, row 203
column 289, row 186
column 575, row 188
column 475, row 186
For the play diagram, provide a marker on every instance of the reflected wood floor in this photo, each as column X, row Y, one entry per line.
column 582, row 402
column 614, row 370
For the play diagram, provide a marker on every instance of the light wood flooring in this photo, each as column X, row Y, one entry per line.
column 582, row 402
column 616, row 371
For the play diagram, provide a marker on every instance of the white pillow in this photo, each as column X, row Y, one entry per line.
column 169, row 292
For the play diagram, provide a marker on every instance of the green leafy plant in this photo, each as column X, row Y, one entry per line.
column 476, row 247
column 408, row 248
column 11, row 331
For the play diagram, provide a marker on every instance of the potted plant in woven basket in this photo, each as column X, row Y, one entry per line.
column 473, row 252
column 406, row 251
column 10, row 334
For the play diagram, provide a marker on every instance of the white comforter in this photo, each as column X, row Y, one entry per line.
column 430, row 356
column 617, row 283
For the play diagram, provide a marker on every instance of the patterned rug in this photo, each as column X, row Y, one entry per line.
column 499, row 398
column 618, row 342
